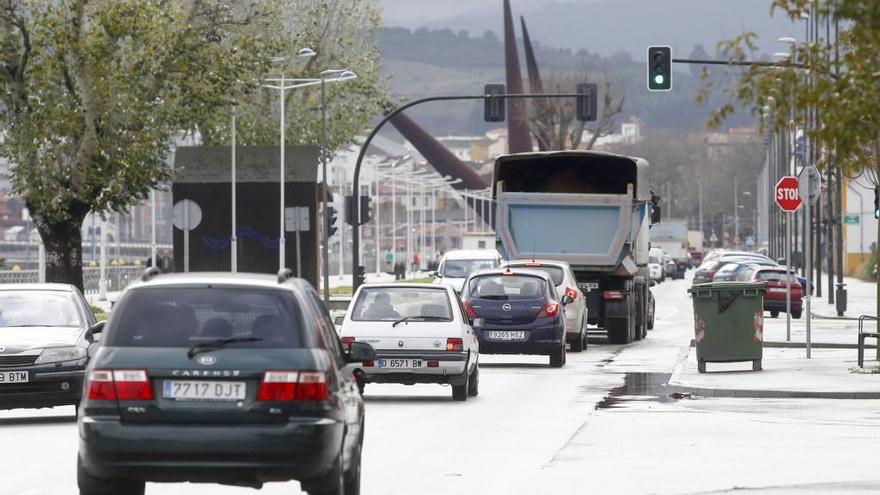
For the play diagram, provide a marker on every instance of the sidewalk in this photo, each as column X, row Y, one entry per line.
column 831, row 373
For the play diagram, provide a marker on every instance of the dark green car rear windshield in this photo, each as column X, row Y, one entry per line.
column 184, row 316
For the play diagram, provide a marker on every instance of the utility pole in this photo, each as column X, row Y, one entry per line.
column 735, row 212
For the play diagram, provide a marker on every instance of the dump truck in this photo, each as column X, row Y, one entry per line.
column 592, row 210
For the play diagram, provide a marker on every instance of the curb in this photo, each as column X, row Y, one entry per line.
column 766, row 394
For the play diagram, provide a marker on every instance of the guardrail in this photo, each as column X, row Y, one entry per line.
column 118, row 277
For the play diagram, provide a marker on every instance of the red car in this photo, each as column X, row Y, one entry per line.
column 774, row 299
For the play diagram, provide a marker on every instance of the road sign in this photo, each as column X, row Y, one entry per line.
column 713, row 237
column 296, row 219
column 787, row 195
column 810, row 183
column 186, row 214
column 852, row 219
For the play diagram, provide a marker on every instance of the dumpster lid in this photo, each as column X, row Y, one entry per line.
column 727, row 286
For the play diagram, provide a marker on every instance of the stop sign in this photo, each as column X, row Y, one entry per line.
column 787, row 196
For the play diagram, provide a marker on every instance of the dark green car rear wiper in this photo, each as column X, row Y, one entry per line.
column 217, row 344
column 421, row 317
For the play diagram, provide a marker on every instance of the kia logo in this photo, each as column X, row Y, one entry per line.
column 207, row 360
column 506, row 307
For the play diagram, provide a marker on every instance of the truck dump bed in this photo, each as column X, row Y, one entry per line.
column 575, row 206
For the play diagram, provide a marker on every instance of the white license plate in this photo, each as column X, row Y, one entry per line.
column 775, row 289
column 399, row 363
column 13, row 377
column 588, row 286
column 507, row 335
column 203, row 390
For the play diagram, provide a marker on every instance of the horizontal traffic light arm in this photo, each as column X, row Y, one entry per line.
column 745, row 63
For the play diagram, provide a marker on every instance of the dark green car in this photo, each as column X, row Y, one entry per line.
column 221, row 378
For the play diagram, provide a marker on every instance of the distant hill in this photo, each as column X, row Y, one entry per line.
column 427, row 62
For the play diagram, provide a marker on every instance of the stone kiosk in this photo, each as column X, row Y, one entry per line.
column 204, row 176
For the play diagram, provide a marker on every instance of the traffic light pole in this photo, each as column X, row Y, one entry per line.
column 355, row 234
column 325, row 237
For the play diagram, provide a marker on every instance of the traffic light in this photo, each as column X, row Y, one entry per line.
column 659, row 68
column 587, row 101
column 332, row 217
column 493, row 106
column 361, row 276
column 365, row 212
column 876, row 203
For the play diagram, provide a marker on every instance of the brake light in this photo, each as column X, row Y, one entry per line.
column 101, row 385
column 132, row 385
column 550, row 310
column 286, row 386
column 119, row 384
column 312, row 386
column 453, row 345
column 613, row 295
column 571, row 293
column 534, row 265
column 469, row 310
column 346, row 342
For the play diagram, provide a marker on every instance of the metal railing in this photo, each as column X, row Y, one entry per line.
column 118, row 277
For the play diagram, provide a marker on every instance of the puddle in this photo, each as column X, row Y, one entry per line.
column 638, row 387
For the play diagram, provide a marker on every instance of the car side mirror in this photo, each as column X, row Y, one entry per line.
column 339, row 320
column 432, row 274
column 566, row 300
column 478, row 323
column 652, row 283
column 93, row 334
column 360, row 352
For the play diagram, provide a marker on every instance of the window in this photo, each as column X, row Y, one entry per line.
column 394, row 303
column 184, row 316
column 555, row 272
column 38, row 309
column 507, row 287
column 463, row 268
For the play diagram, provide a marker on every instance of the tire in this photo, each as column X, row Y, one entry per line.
column 333, row 483
column 89, row 485
column 701, row 366
column 796, row 314
column 774, row 314
column 580, row 343
column 473, row 384
column 460, row 392
column 619, row 331
column 651, row 319
column 352, row 482
column 557, row 358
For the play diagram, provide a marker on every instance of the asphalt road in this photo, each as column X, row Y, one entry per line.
column 602, row 423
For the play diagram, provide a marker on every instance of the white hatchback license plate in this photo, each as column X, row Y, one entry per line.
column 203, row 390
column 776, row 289
column 507, row 335
column 399, row 363
column 13, row 377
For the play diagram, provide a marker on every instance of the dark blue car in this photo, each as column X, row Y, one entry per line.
column 517, row 312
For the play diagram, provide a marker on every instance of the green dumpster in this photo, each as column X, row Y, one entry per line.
column 728, row 322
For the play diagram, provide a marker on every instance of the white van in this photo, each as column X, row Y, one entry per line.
column 455, row 266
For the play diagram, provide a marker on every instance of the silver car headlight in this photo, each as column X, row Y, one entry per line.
column 59, row 354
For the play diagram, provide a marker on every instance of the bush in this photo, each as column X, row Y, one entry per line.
column 869, row 269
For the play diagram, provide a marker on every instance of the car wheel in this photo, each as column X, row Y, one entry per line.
column 474, row 383
column 796, row 315
column 460, row 392
column 577, row 345
column 353, row 476
column 651, row 316
column 333, row 483
column 557, row 358
column 89, row 485
column 774, row 314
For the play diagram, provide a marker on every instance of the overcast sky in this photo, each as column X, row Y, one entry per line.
column 605, row 26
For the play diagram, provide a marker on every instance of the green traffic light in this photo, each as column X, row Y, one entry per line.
column 658, row 79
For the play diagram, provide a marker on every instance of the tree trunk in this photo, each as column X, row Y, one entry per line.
column 63, row 244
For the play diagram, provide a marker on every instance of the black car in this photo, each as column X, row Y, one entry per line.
column 517, row 311
column 221, row 378
column 45, row 335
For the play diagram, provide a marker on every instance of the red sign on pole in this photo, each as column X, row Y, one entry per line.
column 786, row 193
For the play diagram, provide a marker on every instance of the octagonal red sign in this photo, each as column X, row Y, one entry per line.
column 786, row 193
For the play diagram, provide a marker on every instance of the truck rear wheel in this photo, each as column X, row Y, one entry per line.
column 620, row 330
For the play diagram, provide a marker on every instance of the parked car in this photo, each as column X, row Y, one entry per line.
column 730, row 271
column 706, row 271
column 455, row 266
column 45, row 336
column 225, row 378
column 421, row 334
column 517, row 311
column 775, row 299
column 575, row 313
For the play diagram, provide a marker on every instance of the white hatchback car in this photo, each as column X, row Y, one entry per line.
column 456, row 266
column 421, row 334
column 566, row 284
